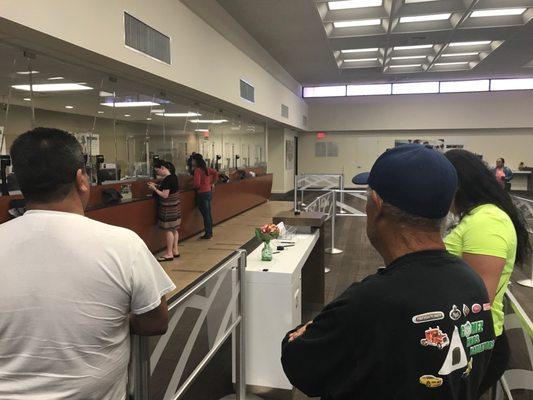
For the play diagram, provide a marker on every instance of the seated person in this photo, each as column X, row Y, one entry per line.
column 421, row 327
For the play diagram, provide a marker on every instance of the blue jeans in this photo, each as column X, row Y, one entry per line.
column 204, row 205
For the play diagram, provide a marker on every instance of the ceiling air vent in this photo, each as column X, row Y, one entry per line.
column 247, row 91
column 284, row 111
column 146, row 39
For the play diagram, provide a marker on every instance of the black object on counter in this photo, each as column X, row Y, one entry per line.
column 110, row 196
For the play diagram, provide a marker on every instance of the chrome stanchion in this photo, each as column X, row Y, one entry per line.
column 332, row 249
column 296, row 208
column 341, row 187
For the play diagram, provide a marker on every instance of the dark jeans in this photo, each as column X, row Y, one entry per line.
column 204, row 205
column 498, row 363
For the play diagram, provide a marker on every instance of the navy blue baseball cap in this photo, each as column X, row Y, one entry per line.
column 414, row 178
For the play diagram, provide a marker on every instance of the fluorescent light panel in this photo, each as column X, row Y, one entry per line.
column 187, row 114
column 473, row 53
column 201, row 130
column 53, row 87
column 357, row 22
column 26, row 99
column 415, row 88
column 416, row 47
column 69, row 107
column 369, row 90
column 55, row 78
column 425, row 18
column 325, row 91
column 418, row 1
column 208, row 121
column 511, row 84
column 408, row 57
column 123, row 104
column 478, row 43
column 369, row 50
column 405, row 66
column 346, row 4
column 445, row 64
column 481, row 85
column 27, row 72
column 500, row 12
column 361, row 60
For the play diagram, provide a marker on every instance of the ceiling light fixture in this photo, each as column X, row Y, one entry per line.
column 478, row 43
column 69, row 107
column 208, row 121
column 465, row 86
column 425, row 18
column 444, row 64
column 27, row 72
column 100, row 112
column 415, row 88
column 408, row 57
column 148, row 119
column 418, row 1
column 26, row 99
column 201, row 130
column 53, row 87
column 405, row 66
column 122, row 104
column 324, row 91
column 369, row 50
column 500, row 12
column 357, row 22
column 346, row 4
column 473, row 53
column 127, row 115
column 105, row 94
column 369, row 90
column 187, row 114
column 55, row 78
column 511, row 84
column 416, row 47
column 360, row 60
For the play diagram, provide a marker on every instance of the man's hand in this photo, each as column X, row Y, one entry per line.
column 296, row 334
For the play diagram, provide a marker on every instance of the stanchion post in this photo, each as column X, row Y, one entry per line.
column 341, row 187
column 333, row 250
column 240, row 367
column 296, row 193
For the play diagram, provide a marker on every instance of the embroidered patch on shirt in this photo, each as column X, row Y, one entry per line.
column 436, row 338
column 430, row 381
column 428, row 317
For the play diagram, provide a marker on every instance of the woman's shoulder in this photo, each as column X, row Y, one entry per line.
column 488, row 214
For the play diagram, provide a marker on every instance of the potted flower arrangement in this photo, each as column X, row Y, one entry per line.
column 266, row 233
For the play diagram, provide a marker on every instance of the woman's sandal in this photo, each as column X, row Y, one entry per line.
column 177, row 255
column 163, row 259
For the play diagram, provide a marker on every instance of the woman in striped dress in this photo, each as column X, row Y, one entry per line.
column 169, row 210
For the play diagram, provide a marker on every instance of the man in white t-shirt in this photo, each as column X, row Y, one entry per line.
column 71, row 288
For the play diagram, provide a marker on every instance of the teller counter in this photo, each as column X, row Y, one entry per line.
column 140, row 212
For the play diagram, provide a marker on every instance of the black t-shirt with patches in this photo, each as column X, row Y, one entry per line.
column 421, row 328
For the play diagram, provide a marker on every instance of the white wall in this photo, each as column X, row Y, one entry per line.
column 283, row 174
column 202, row 59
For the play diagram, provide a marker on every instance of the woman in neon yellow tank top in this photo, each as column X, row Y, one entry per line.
column 491, row 237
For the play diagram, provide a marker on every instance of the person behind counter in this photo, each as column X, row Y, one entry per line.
column 71, row 288
column 204, row 181
column 503, row 174
column 169, row 208
column 417, row 328
column 490, row 237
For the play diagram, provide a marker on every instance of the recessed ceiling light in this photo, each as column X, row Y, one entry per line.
column 27, row 72
column 55, row 78
column 425, row 18
column 408, row 57
column 501, row 12
column 201, row 130
column 345, row 4
column 100, row 112
column 127, row 115
column 416, row 47
column 187, row 114
column 405, row 66
column 472, row 53
column 357, row 22
column 69, row 107
column 478, row 43
column 415, row 87
column 53, row 87
column 369, row 50
column 208, row 121
column 451, row 63
column 361, row 60
column 26, row 99
column 122, row 104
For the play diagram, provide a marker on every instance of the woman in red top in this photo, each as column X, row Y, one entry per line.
column 204, row 180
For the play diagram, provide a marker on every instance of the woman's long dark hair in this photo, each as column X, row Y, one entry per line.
column 200, row 162
column 477, row 186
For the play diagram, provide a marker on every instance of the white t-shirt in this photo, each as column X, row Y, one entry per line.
column 67, row 285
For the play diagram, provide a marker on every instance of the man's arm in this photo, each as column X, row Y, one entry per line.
column 312, row 353
column 151, row 323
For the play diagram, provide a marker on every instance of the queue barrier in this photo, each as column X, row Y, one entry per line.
column 516, row 378
column 200, row 322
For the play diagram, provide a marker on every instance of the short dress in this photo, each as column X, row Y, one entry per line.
column 169, row 212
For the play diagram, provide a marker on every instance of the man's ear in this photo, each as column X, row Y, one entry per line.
column 378, row 202
column 82, row 181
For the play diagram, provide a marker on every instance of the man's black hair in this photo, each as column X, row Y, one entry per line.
column 45, row 163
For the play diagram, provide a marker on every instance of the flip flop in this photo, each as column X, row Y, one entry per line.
column 163, row 259
column 177, row 255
